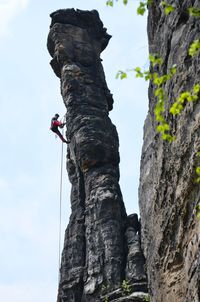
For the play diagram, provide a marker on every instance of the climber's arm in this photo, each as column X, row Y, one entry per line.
column 62, row 125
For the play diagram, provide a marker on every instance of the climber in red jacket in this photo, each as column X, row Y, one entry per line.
column 54, row 127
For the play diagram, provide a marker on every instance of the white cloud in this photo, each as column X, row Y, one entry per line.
column 8, row 10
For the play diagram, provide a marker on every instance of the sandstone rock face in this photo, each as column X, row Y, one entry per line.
column 102, row 245
column 168, row 192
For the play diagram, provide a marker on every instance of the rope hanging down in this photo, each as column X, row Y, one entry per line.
column 60, row 210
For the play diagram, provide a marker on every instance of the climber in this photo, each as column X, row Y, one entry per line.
column 54, row 127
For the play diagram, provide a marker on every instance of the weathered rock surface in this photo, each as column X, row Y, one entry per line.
column 102, row 245
column 135, row 260
column 168, row 192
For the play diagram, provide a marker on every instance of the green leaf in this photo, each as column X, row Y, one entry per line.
column 109, row 3
column 121, row 74
column 160, row 80
column 185, row 96
column 155, row 59
column 198, row 180
column 196, row 89
column 167, row 7
column 194, row 48
column 139, row 74
column 147, row 75
column 168, row 137
column 159, row 92
column 141, row 8
column 163, row 127
column 198, row 171
column 125, row 2
column 176, row 108
column 172, row 71
column 194, row 11
column 155, row 75
column 160, row 106
column 160, row 118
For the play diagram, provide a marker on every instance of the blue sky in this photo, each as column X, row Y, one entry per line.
column 30, row 154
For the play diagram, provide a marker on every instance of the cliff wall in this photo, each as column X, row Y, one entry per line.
column 102, row 245
column 168, row 193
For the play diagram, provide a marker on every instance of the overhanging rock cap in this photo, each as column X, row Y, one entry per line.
column 85, row 19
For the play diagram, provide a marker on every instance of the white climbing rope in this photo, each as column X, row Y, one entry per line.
column 60, row 213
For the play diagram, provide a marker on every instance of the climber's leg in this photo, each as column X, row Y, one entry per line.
column 62, row 138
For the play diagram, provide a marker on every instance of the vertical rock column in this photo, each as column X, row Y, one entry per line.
column 169, row 193
column 93, row 253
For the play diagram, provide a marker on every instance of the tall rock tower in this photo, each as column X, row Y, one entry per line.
column 102, row 244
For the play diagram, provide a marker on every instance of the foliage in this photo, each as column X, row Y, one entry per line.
column 194, row 48
column 121, row 74
column 147, row 298
column 175, row 109
column 104, row 288
column 167, row 7
column 110, row 2
column 198, row 210
column 185, row 97
column 143, row 7
column 198, row 174
column 163, row 127
column 194, row 11
column 139, row 74
column 155, row 59
column 126, row 288
column 160, row 80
